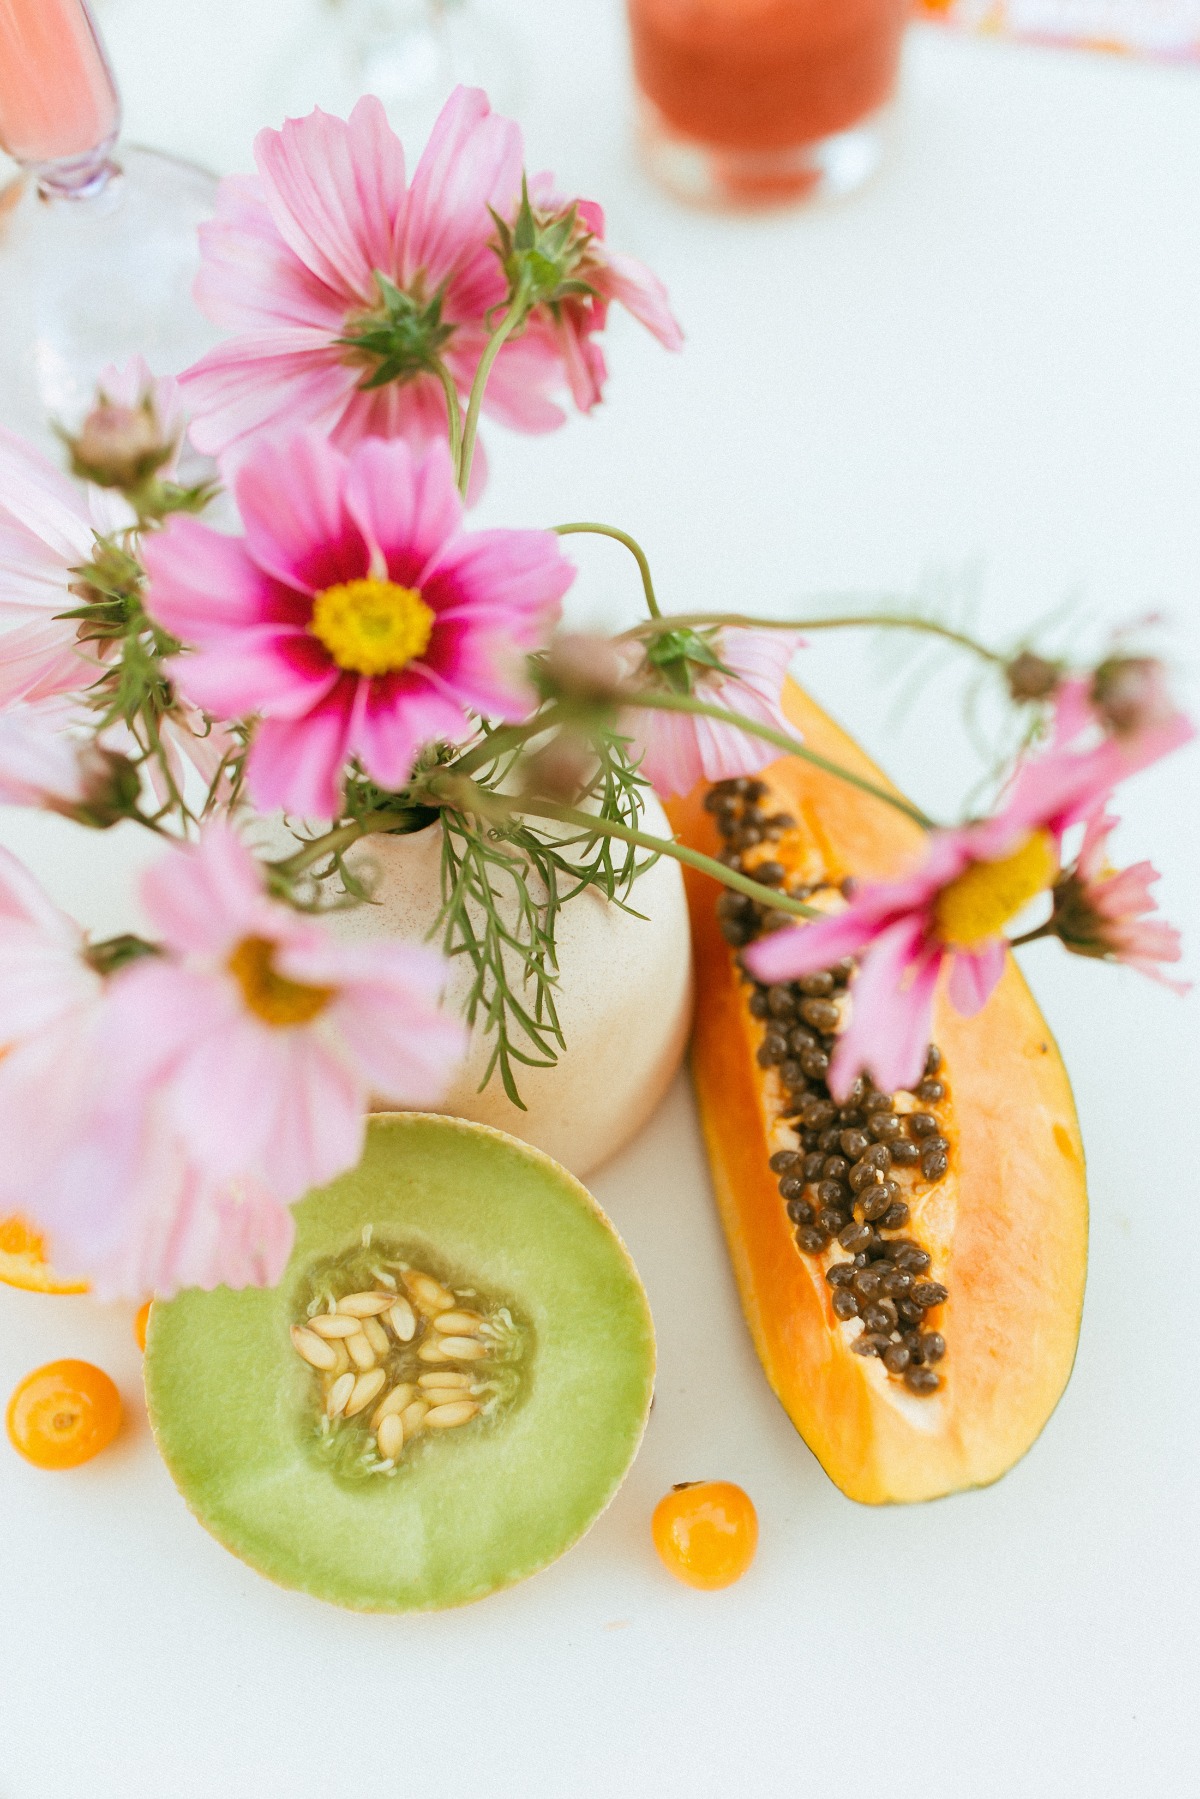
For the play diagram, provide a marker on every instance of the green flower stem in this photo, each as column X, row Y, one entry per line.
column 847, row 621
column 466, row 796
column 1042, row 930
column 333, row 843
column 454, row 417
column 684, row 702
column 515, row 316
column 508, row 737
column 636, row 551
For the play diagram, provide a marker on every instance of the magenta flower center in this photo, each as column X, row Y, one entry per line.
column 371, row 626
column 270, row 995
column 979, row 902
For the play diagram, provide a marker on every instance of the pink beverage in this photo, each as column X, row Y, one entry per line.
column 58, row 100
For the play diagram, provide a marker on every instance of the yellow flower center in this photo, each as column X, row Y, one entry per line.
column 269, row 994
column 979, row 902
column 371, row 627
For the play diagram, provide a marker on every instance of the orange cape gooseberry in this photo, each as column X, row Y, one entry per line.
column 63, row 1414
column 706, row 1532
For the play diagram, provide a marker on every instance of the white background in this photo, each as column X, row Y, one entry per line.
column 982, row 375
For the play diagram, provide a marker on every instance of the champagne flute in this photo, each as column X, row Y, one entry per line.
column 98, row 245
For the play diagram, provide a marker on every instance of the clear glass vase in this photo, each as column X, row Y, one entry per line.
column 98, row 244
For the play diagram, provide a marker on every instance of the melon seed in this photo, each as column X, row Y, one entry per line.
column 390, row 1436
column 458, row 1324
column 316, row 1353
column 364, row 1305
column 360, row 1351
column 403, row 1320
column 364, row 1390
column 445, row 1417
column 413, row 1416
column 430, row 1295
column 464, row 1349
column 330, row 1325
column 339, row 1394
column 376, row 1336
column 393, row 1402
column 449, row 1377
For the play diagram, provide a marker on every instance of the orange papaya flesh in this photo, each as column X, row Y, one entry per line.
column 23, row 1261
column 1005, row 1226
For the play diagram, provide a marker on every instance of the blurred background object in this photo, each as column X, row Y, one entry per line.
column 98, row 245
column 1163, row 28
column 747, row 103
column 408, row 52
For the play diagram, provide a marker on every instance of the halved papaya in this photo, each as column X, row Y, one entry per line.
column 985, row 1165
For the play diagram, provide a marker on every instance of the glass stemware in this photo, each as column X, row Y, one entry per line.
column 98, row 245
column 408, row 52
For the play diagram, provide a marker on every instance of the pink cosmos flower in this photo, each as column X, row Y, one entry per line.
column 39, row 754
column 47, row 530
column 49, row 1013
column 950, row 913
column 264, row 1037
column 290, row 265
column 570, row 326
column 1127, row 700
column 126, row 1209
column 1101, row 911
column 355, row 616
column 678, row 749
column 88, row 1156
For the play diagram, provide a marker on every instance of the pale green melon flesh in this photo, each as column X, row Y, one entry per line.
column 232, row 1405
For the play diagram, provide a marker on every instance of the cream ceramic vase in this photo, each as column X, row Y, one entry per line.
column 623, row 998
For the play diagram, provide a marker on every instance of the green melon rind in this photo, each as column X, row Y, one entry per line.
column 489, row 1505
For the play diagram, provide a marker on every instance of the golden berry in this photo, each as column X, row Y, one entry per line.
column 706, row 1532
column 63, row 1414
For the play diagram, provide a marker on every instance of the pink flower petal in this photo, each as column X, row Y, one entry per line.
column 405, row 510
column 202, row 582
column 297, row 764
column 891, row 1013
column 973, row 976
column 284, row 673
column 298, row 529
column 335, row 191
column 472, row 160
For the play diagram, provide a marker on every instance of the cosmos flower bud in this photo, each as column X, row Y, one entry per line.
column 109, row 785
column 1032, row 677
column 1131, row 695
column 121, row 446
column 584, row 667
column 559, row 770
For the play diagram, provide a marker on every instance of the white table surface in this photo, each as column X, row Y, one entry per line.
column 985, row 372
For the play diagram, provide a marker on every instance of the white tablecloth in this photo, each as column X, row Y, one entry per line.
column 981, row 377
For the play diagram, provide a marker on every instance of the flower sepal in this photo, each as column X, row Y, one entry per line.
column 403, row 336
column 675, row 653
column 542, row 253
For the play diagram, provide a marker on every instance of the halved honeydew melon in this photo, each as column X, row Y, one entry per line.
column 560, row 1377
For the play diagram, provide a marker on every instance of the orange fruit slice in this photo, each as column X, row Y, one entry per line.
column 23, row 1260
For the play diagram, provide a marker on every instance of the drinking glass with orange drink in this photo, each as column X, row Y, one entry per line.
column 759, row 102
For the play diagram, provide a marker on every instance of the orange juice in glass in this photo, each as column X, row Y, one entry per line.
column 760, row 102
column 58, row 100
